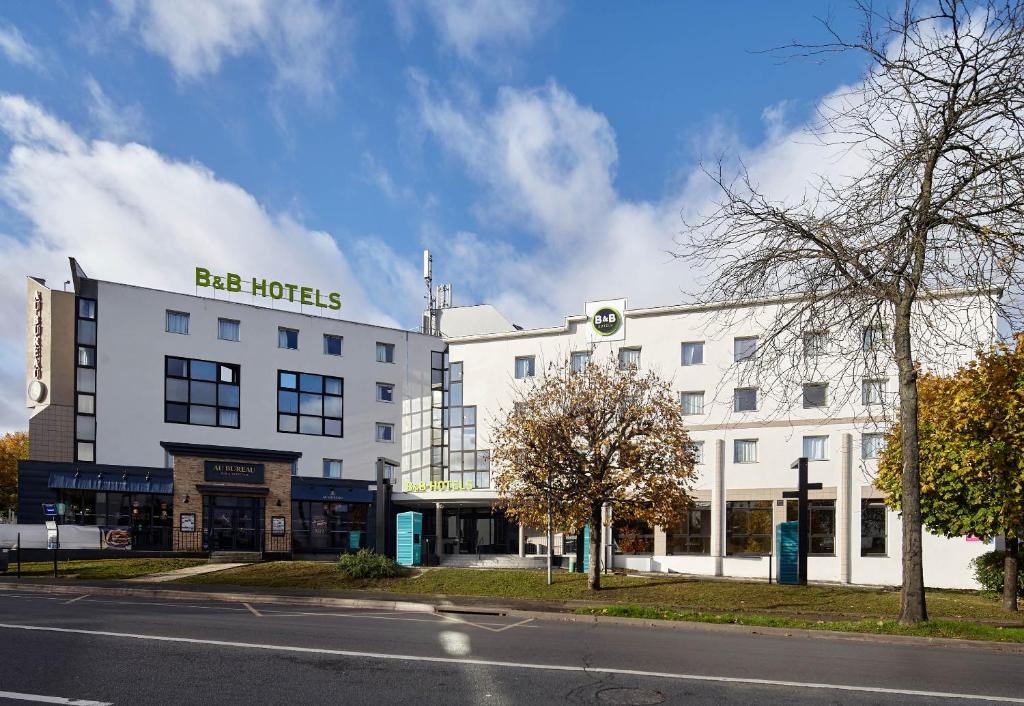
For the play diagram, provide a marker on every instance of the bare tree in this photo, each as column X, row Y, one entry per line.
column 921, row 242
column 577, row 442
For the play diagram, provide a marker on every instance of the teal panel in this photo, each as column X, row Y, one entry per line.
column 586, row 549
column 408, row 539
column 787, row 553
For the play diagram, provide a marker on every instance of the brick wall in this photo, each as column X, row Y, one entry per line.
column 189, row 473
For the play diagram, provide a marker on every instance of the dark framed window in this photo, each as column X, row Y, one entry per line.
column 332, row 468
column 202, row 392
column 815, row 394
column 692, row 534
column 385, row 392
column 744, row 399
column 287, row 338
column 177, row 322
column 872, row 527
column 385, row 352
column 525, row 366
column 332, row 344
column 228, row 329
column 822, row 529
column 748, row 527
column 308, row 403
column 385, row 432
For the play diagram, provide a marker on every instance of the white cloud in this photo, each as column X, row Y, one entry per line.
column 114, row 122
column 548, row 163
column 305, row 40
column 131, row 214
column 16, row 49
column 473, row 28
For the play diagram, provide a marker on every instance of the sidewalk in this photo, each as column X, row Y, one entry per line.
column 181, row 573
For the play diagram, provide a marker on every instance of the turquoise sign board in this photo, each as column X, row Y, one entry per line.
column 408, row 544
column 787, row 553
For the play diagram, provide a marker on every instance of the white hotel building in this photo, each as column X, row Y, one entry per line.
column 123, row 401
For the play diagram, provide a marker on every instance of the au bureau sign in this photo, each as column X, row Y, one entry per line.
column 233, row 472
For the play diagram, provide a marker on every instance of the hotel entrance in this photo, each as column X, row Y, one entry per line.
column 479, row 530
column 236, row 523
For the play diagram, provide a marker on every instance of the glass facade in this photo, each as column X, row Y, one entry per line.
column 337, row 527
column 748, row 527
column 85, row 380
column 692, row 534
column 202, row 392
column 310, row 404
column 147, row 516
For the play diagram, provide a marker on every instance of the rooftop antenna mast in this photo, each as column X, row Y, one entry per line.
column 430, row 316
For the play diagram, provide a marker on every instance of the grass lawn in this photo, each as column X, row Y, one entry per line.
column 668, row 593
column 103, row 568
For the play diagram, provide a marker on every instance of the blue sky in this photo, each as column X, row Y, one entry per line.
column 543, row 150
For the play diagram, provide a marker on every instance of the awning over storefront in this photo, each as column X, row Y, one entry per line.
column 111, row 482
column 318, row 492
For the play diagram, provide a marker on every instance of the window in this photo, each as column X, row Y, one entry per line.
column 87, row 309
column 177, row 322
column 525, row 366
column 632, row 537
column 872, row 527
column 629, row 358
column 332, row 468
column 228, row 329
column 744, row 451
column 748, row 527
column 745, row 399
column 85, row 382
column 744, row 348
column 873, row 392
column 332, row 344
column 287, row 338
column 822, row 527
column 201, row 392
column 693, row 353
column 578, row 361
column 816, row 448
column 814, row 344
column 872, row 338
column 385, row 392
column 698, row 451
column 871, row 445
column 815, row 394
column 692, row 534
column 309, row 404
column 385, row 352
column 692, row 402
column 385, row 432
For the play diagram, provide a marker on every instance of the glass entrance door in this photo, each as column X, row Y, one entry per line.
column 480, row 530
column 234, row 523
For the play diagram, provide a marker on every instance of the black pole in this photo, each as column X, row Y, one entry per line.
column 19, row 555
column 56, row 544
column 803, row 522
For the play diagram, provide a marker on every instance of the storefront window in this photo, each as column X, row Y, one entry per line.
column 822, row 529
column 147, row 515
column 692, row 534
column 633, row 537
column 748, row 527
column 319, row 526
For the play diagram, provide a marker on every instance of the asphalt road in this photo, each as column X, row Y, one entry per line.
column 139, row 651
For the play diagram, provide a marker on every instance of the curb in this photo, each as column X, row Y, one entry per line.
column 443, row 607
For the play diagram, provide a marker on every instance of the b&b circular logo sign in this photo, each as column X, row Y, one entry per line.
column 606, row 321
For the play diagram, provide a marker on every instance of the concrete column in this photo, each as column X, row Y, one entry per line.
column 522, row 540
column 844, row 515
column 439, row 528
column 718, row 506
column 660, row 541
column 607, row 557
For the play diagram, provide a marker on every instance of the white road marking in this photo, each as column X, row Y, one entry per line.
column 74, row 600
column 39, row 698
column 485, row 626
column 518, row 665
column 253, row 610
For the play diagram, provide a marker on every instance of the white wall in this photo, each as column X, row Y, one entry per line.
column 132, row 344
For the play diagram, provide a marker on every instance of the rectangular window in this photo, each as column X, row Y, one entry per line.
column 692, row 534
column 698, row 451
column 87, row 309
column 692, row 402
column 748, row 527
column 872, row 338
column 332, row 468
column 873, row 392
column 814, row 343
column 177, row 322
column 228, row 329
column 816, row 448
column 629, row 358
column 745, row 399
column 385, row 352
column 871, row 445
column 872, row 527
column 201, row 392
column 744, row 348
column 87, row 356
column 815, row 395
column 744, row 451
column 693, row 353
column 578, row 361
column 385, row 392
column 309, row 404
column 632, row 537
column 385, row 432
column 287, row 338
column 822, row 528
column 332, row 344
column 525, row 367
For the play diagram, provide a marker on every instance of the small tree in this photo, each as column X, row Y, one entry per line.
column 13, row 448
column 579, row 441
column 971, row 428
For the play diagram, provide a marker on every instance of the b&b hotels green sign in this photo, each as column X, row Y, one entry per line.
column 285, row 291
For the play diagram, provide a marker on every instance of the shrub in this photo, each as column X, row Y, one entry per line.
column 988, row 570
column 366, row 564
